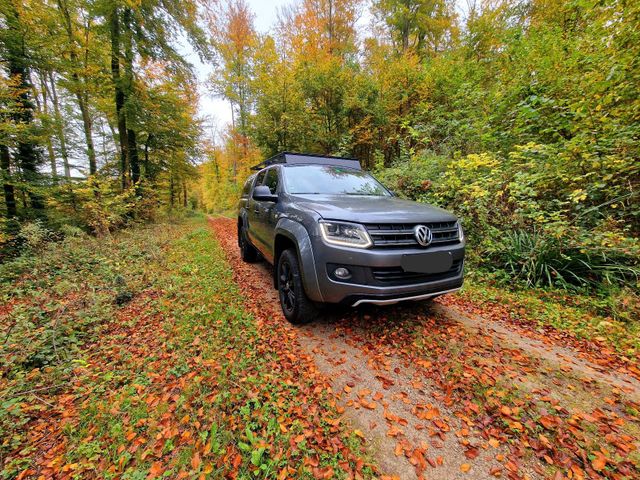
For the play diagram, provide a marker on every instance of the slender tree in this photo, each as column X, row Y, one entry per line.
column 79, row 85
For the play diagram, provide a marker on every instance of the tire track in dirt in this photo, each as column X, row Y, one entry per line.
column 412, row 432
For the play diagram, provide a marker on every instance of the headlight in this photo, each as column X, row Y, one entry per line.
column 345, row 234
column 460, row 231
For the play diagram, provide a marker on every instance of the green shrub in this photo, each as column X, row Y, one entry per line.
column 527, row 214
column 34, row 234
column 541, row 259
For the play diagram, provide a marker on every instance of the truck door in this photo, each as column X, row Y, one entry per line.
column 253, row 213
column 270, row 218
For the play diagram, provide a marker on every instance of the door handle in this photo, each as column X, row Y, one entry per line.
column 256, row 210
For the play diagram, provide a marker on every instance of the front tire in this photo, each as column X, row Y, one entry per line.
column 296, row 306
column 248, row 252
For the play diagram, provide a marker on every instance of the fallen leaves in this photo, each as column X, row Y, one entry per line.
column 176, row 378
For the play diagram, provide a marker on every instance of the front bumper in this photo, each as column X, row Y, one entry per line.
column 377, row 276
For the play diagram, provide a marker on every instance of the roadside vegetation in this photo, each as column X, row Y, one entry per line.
column 138, row 360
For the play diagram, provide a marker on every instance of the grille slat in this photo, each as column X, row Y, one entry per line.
column 393, row 235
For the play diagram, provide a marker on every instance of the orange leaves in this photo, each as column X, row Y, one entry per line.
column 393, row 431
column 599, row 461
column 426, row 412
column 368, row 405
column 387, row 383
column 323, row 473
column 418, row 460
column 196, row 461
column 471, row 452
column 156, row 469
column 548, row 422
column 465, row 467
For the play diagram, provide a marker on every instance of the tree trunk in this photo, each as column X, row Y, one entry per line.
column 26, row 157
column 184, row 194
column 171, row 193
column 80, row 89
column 7, row 186
column 147, row 166
column 133, row 154
column 45, row 109
column 114, row 31
column 60, row 127
column 132, row 145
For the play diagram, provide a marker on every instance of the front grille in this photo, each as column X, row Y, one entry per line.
column 395, row 235
column 393, row 276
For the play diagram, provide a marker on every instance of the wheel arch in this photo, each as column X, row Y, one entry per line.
column 291, row 234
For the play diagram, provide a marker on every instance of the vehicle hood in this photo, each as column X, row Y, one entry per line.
column 372, row 209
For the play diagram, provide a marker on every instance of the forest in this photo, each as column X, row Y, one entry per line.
column 520, row 116
column 133, row 345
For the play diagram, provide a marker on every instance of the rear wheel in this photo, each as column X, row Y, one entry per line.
column 248, row 252
column 296, row 306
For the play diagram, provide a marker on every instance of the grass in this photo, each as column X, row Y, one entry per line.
column 157, row 369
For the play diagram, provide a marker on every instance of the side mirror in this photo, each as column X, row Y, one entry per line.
column 262, row 194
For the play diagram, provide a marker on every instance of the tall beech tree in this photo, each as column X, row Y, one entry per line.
column 26, row 154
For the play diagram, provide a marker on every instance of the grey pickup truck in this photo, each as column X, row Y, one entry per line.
column 334, row 234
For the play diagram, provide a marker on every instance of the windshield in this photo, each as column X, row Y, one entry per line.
column 330, row 180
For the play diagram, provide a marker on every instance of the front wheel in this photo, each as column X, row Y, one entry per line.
column 248, row 252
column 296, row 306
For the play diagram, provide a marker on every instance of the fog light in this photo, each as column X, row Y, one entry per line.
column 342, row 273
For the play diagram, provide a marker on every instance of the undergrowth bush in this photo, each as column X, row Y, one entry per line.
column 543, row 259
column 531, row 216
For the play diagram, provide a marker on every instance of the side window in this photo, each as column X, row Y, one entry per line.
column 272, row 180
column 260, row 177
column 247, row 187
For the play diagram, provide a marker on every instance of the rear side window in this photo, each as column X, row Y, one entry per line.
column 247, row 186
column 272, row 180
column 260, row 177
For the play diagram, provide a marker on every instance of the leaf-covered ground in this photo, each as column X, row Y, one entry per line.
column 160, row 354
column 458, row 402
column 178, row 382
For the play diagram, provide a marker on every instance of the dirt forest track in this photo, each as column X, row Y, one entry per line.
column 437, row 393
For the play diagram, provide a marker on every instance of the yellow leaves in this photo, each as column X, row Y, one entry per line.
column 578, row 195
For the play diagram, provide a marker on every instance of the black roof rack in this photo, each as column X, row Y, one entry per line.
column 291, row 158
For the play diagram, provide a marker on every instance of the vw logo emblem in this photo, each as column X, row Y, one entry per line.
column 423, row 235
